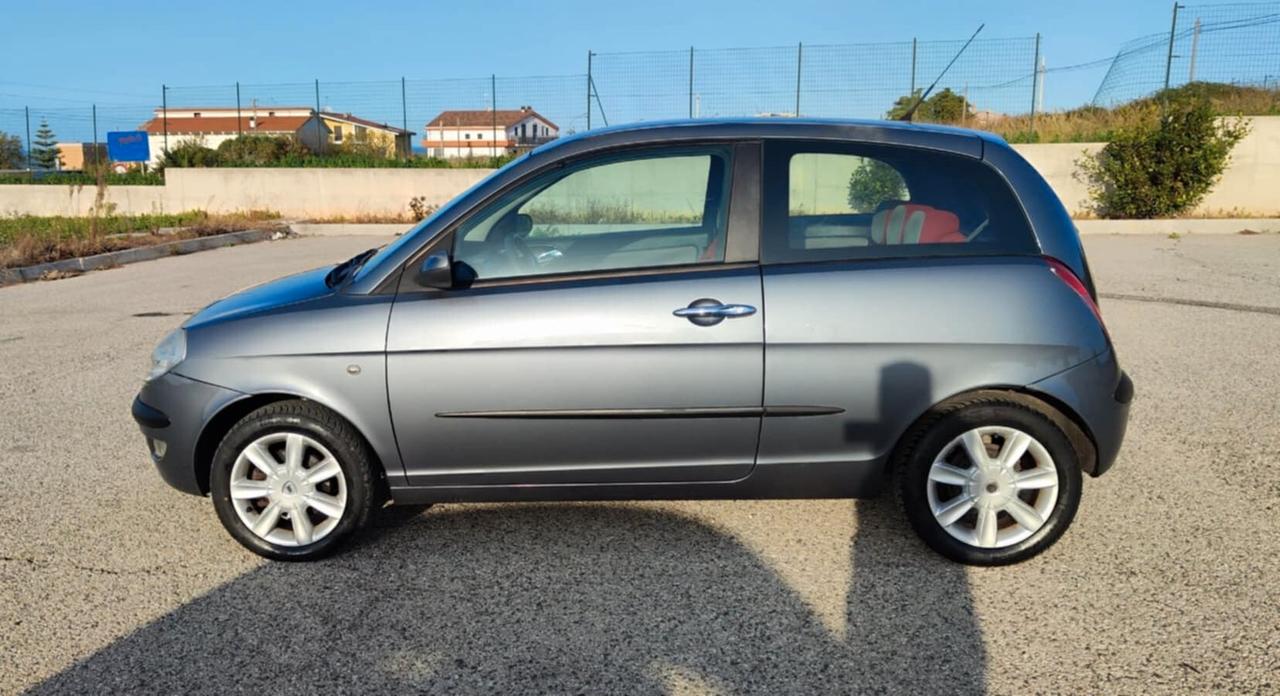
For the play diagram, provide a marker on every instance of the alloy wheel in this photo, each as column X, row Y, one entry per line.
column 288, row 489
column 992, row 487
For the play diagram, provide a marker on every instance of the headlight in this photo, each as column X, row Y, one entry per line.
column 168, row 353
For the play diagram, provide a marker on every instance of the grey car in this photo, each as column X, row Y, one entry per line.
column 701, row 309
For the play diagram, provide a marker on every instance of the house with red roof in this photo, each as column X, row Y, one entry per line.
column 486, row 133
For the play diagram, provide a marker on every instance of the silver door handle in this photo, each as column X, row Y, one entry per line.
column 721, row 311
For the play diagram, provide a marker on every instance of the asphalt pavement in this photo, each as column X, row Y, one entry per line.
column 1168, row 582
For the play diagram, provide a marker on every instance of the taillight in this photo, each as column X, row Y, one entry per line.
column 1065, row 274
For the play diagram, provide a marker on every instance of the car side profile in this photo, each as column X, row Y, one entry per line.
column 702, row 309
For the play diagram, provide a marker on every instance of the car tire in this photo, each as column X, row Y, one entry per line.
column 989, row 479
column 335, row 502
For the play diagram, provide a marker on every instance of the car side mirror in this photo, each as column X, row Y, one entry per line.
column 436, row 271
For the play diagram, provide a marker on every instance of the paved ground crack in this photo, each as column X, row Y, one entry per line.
column 1231, row 306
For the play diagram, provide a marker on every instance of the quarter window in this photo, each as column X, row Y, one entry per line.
column 882, row 202
column 641, row 210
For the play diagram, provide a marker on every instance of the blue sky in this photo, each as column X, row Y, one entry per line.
column 69, row 54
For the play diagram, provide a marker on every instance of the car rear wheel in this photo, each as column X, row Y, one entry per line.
column 292, row 480
column 990, row 480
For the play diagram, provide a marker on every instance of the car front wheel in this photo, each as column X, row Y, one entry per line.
column 291, row 481
column 990, row 480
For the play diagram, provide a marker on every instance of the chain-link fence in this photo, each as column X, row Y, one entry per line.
column 1233, row 43
column 848, row 80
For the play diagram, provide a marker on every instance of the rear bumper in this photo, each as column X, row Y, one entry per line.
column 1099, row 392
column 172, row 411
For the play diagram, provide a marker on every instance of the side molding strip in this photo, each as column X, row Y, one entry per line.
column 693, row 412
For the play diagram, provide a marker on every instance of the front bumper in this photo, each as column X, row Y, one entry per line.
column 1099, row 392
column 172, row 411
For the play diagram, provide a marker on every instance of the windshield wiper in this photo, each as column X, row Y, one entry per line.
column 348, row 268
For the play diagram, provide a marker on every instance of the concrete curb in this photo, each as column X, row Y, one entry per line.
column 1179, row 226
column 349, row 229
column 25, row 274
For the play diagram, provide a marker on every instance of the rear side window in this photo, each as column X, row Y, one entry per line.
column 831, row 202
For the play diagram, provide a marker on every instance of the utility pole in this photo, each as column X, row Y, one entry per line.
column 239, row 127
column 493, row 111
column 1035, row 83
column 589, row 90
column 1173, row 30
column 912, row 94
column 1195, row 46
column 27, row 110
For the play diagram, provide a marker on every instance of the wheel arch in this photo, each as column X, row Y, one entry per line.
column 225, row 418
column 1060, row 413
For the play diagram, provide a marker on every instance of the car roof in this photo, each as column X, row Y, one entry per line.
column 948, row 138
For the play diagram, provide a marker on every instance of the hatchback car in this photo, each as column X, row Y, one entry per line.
column 729, row 309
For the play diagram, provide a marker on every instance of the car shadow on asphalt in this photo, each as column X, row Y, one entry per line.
column 558, row 598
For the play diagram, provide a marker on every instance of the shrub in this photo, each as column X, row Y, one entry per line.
column 259, row 150
column 1164, row 165
column 190, row 154
column 873, row 182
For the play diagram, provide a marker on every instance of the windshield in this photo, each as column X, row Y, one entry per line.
column 390, row 250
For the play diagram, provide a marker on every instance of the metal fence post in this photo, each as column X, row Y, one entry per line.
column 691, row 82
column 404, row 117
column 1035, row 83
column 799, row 60
column 164, row 114
column 319, row 134
column 1173, row 30
column 588, row 90
column 239, row 127
column 95, row 134
column 914, row 42
column 27, row 111
column 493, row 110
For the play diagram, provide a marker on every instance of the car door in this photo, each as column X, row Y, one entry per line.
column 890, row 274
column 605, row 326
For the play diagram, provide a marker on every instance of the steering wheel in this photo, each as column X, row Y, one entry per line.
column 517, row 251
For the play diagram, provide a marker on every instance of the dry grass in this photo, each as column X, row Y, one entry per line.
column 1094, row 124
column 29, row 240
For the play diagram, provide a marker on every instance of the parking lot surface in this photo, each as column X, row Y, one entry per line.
column 1169, row 580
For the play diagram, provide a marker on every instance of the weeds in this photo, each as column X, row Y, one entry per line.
column 27, row 240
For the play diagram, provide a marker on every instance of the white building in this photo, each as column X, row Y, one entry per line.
column 486, row 133
column 214, row 125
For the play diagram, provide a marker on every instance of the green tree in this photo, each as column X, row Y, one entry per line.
column 944, row 106
column 872, row 183
column 10, row 151
column 1164, row 165
column 44, row 149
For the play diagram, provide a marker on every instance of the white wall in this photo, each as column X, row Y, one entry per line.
column 1248, row 187
column 295, row 193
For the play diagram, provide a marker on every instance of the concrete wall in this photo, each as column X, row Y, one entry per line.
column 301, row 193
column 317, row 193
column 1248, row 187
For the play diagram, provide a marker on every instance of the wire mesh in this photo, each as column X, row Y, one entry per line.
column 1234, row 43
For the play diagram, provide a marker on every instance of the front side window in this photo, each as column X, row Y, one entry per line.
column 838, row 202
column 638, row 210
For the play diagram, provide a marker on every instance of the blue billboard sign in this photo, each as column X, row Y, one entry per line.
column 128, row 146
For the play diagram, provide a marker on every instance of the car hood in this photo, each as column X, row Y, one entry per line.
column 289, row 290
